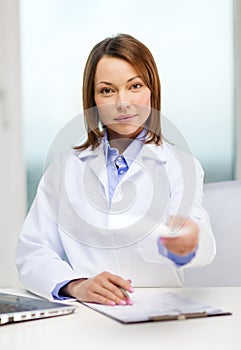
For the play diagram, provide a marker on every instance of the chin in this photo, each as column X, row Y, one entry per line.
column 127, row 130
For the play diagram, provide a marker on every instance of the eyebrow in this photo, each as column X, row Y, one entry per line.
column 108, row 83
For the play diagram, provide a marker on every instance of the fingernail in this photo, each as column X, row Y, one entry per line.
column 131, row 289
column 163, row 240
column 112, row 303
column 122, row 302
column 129, row 302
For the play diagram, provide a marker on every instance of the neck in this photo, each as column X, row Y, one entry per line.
column 121, row 142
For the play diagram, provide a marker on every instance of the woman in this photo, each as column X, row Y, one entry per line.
column 124, row 208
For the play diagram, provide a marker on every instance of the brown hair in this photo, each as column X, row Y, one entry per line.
column 128, row 48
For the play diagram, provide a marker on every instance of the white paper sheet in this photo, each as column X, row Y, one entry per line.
column 165, row 231
column 149, row 303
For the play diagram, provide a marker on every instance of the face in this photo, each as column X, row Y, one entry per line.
column 122, row 98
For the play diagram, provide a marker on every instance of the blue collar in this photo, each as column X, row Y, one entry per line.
column 130, row 152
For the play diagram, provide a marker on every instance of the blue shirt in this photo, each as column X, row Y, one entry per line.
column 117, row 166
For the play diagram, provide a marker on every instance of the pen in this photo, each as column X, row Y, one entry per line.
column 127, row 297
column 124, row 292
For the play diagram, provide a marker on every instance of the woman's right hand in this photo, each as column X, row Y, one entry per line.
column 105, row 288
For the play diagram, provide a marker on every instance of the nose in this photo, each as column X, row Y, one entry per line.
column 122, row 102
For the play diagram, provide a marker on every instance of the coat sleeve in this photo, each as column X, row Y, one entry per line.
column 41, row 259
column 206, row 250
column 186, row 200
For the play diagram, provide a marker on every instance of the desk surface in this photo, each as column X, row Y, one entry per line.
column 92, row 330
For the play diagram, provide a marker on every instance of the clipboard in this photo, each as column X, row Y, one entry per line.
column 155, row 305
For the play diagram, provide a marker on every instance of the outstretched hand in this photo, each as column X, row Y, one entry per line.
column 185, row 243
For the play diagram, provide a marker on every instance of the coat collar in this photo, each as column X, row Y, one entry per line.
column 149, row 150
column 96, row 161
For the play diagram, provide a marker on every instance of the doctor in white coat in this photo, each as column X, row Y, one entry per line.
column 124, row 209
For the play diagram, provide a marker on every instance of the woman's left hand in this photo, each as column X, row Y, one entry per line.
column 184, row 244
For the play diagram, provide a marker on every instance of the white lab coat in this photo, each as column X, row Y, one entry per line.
column 72, row 231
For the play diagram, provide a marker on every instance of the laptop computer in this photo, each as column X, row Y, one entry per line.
column 16, row 308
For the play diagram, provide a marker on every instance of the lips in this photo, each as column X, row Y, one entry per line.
column 124, row 117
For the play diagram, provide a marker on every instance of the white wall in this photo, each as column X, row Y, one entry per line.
column 192, row 42
column 238, row 86
column 12, row 184
column 223, row 202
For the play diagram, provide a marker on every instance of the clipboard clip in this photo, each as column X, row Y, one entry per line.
column 179, row 317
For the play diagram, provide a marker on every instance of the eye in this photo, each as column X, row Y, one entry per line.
column 106, row 91
column 136, row 86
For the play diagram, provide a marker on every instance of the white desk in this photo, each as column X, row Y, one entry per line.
column 91, row 330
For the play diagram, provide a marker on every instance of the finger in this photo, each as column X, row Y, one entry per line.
column 120, row 292
column 94, row 293
column 120, row 288
column 110, row 296
column 117, row 291
column 116, row 285
column 127, row 297
column 101, row 299
column 120, row 282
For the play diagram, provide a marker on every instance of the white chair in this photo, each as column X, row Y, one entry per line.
column 223, row 203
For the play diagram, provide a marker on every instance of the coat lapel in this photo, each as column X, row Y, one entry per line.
column 95, row 164
column 149, row 153
column 95, row 167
